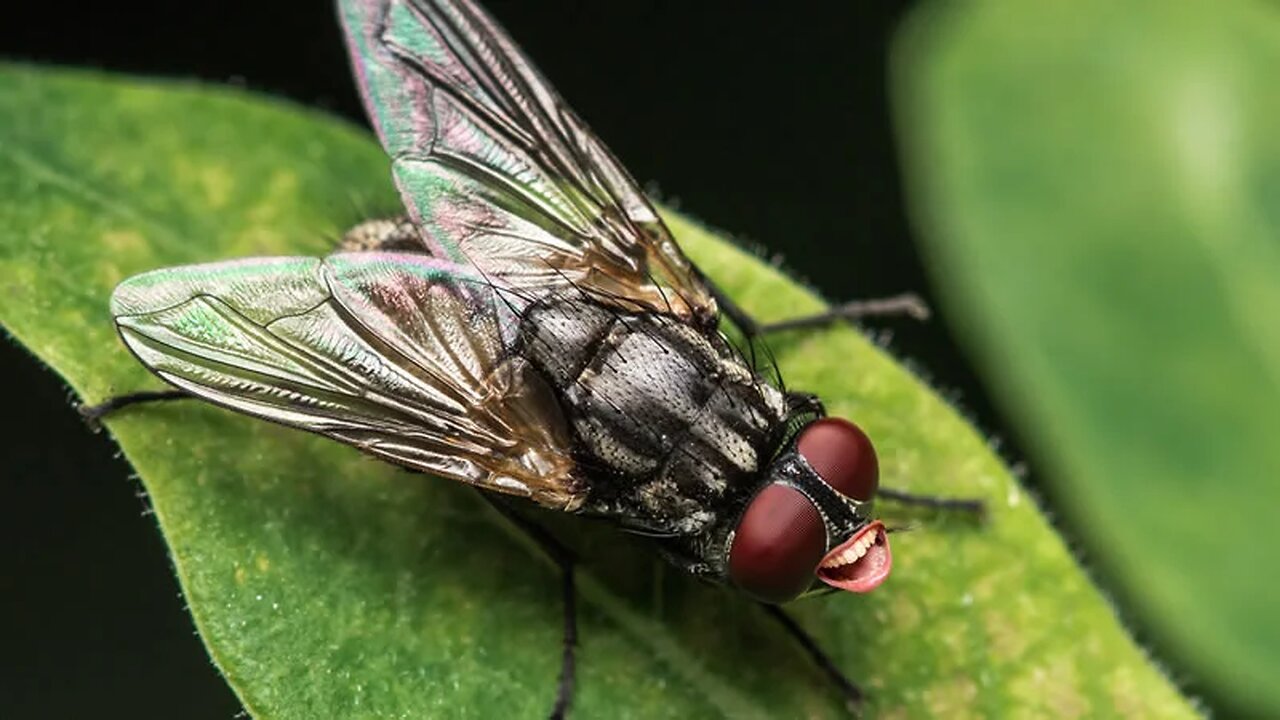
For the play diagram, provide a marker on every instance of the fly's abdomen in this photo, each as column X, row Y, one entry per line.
column 667, row 420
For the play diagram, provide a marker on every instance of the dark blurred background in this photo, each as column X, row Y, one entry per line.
column 770, row 124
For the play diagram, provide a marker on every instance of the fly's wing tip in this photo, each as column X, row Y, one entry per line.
column 139, row 295
column 290, row 282
column 128, row 298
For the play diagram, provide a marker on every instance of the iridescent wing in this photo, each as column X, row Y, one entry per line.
column 498, row 172
column 400, row 355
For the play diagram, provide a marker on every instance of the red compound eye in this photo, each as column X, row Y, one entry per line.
column 777, row 545
column 842, row 455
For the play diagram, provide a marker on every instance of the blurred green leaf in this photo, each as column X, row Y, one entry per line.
column 326, row 584
column 1099, row 185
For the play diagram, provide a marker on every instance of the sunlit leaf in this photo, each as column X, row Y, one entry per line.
column 326, row 584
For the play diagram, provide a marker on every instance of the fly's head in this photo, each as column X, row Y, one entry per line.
column 810, row 523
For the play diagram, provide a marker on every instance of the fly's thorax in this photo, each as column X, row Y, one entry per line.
column 670, row 423
column 561, row 338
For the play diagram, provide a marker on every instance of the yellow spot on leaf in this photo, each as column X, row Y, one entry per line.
column 1051, row 690
column 953, row 699
column 217, row 184
column 897, row 713
column 280, row 195
column 1125, row 695
column 906, row 615
column 123, row 241
column 1006, row 640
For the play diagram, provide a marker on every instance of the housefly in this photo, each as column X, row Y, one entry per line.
column 529, row 327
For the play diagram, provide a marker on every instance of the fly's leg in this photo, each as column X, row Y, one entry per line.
column 904, row 305
column 564, row 558
column 968, row 505
column 907, row 304
column 395, row 234
column 564, row 688
column 848, row 688
column 93, row 414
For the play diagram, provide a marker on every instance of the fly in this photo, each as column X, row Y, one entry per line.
column 531, row 328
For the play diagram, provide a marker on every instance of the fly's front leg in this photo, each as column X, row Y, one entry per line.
column 904, row 305
column 93, row 414
column 848, row 688
column 967, row 505
column 564, row 558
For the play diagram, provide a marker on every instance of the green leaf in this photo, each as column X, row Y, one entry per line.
column 1100, row 187
column 326, row 584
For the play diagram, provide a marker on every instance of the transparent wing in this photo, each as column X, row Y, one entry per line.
column 498, row 172
column 397, row 354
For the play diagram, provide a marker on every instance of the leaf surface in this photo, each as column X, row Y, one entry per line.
column 326, row 584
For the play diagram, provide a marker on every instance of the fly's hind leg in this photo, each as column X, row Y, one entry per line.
column 848, row 688
column 392, row 234
column 565, row 559
column 93, row 414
